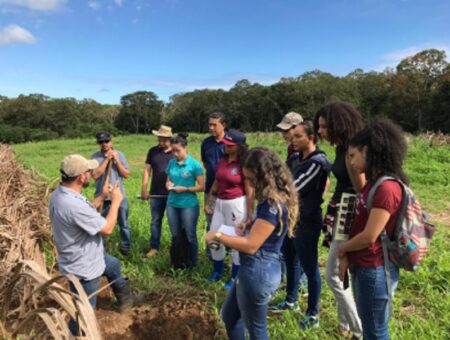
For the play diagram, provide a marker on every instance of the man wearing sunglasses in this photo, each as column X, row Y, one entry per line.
column 117, row 170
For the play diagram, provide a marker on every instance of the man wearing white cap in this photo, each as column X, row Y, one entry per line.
column 287, row 124
column 158, row 158
column 78, row 231
column 295, row 275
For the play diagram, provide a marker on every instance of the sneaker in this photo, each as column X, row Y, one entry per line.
column 152, row 252
column 309, row 322
column 344, row 332
column 284, row 305
column 228, row 284
column 214, row 277
column 125, row 252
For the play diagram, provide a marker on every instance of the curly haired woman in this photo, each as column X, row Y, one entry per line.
column 378, row 150
column 260, row 271
column 337, row 123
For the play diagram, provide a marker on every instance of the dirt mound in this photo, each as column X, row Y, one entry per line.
column 166, row 315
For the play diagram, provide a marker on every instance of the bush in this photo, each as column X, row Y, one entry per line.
column 13, row 134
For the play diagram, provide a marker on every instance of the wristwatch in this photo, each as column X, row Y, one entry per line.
column 218, row 236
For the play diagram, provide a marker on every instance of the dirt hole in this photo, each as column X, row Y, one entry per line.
column 165, row 315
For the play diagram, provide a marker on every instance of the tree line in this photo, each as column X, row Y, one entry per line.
column 415, row 94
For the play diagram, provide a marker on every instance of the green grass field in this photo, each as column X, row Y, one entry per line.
column 422, row 301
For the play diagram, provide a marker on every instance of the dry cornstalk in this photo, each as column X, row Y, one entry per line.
column 31, row 301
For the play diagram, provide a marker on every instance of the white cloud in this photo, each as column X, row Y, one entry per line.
column 95, row 5
column 392, row 59
column 15, row 34
column 118, row 2
column 38, row 5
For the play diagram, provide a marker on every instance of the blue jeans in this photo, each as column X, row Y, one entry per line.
column 246, row 304
column 185, row 218
column 157, row 208
column 371, row 297
column 306, row 244
column 295, row 276
column 122, row 219
column 112, row 273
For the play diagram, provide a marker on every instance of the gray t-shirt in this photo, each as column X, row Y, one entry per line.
column 76, row 225
column 114, row 175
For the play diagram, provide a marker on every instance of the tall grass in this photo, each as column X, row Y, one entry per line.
column 422, row 301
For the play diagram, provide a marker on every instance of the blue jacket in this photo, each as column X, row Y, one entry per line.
column 310, row 177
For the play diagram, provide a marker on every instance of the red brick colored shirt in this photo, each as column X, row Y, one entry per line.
column 230, row 180
column 387, row 197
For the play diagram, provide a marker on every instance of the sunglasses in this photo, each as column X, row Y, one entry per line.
column 103, row 142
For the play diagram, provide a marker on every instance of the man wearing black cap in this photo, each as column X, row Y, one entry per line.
column 113, row 167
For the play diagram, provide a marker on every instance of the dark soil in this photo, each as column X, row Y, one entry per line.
column 165, row 315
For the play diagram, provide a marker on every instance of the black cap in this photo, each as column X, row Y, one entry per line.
column 234, row 137
column 103, row 136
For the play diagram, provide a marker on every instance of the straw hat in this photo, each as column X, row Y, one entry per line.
column 164, row 131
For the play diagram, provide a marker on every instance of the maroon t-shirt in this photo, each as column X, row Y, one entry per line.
column 387, row 197
column 230, row 180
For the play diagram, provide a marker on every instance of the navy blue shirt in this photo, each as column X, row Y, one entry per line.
column 158, row 159
column 310, row 177
column 268, row 211
column 212, row 151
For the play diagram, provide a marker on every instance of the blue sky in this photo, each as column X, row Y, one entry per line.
column 103, row 49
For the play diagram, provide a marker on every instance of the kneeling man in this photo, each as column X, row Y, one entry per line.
column 78, row 231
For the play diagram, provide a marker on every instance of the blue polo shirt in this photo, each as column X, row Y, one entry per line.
column 212, row 151
column 268, row 211
column 185, row 175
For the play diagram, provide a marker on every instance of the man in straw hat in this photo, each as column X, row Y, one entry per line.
column 155, row 166
column 78, row 231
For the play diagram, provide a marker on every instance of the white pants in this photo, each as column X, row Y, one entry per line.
column 230, row 213
column 347, row 313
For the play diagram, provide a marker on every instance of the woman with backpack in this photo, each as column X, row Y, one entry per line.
column 184, row 179
column 260, row 271
column 378, row 150
column 337, row 123
column 234, row 204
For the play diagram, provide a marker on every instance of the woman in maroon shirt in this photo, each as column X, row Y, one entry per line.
column 378, row 150
column 234, row 204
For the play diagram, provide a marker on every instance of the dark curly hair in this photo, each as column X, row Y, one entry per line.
column 273, row 181
column 386, row 149
column 343, row 122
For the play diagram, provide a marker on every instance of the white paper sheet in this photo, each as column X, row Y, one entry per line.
column 228, row 230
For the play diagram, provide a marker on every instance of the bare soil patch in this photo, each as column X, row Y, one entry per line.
column 169, row 314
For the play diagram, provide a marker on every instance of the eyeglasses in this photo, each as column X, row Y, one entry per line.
column 103, row 142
